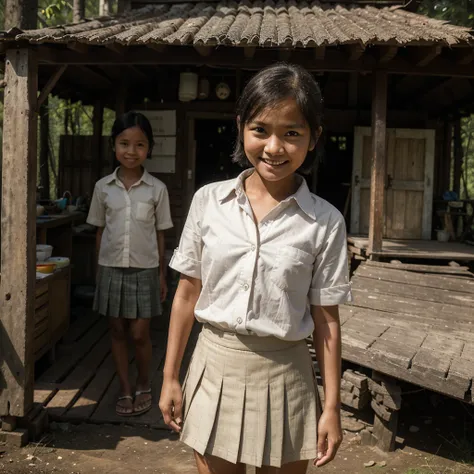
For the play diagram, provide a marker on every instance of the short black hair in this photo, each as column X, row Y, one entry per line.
column 132, row 119
column 267, row 89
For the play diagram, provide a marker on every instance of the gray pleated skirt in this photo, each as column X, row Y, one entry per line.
column 251, row 400
column 128, row 292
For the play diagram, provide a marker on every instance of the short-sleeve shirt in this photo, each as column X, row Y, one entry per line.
column 261, row 279
column 130, row 220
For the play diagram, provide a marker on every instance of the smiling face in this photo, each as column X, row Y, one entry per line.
column 131, row 147
column 277, row 141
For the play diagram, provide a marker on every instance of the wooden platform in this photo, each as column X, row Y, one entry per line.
column 415, row 323
column 422, row 249
column 82, row 385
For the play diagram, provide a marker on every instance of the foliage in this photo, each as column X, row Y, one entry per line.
column 459, row 12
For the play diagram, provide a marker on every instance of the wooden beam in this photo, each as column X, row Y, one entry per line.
column 80, row 48
column 249, row 52
column 116, row 48
column 160, row 48
column 50, row 85
column 204, row 51
column 422, row 56
column 387, row 53
column 378, row 171
column 97, row 75
column 465, row 56
column 284, row 54
column 319, row 53
column 18, row 230
column 355, row 51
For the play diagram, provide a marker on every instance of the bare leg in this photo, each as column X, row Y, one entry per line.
column 120, row 354
column 213, row 465
column 140, row 329
column 298, row 467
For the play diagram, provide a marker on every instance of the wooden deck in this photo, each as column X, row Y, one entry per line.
column 82, row 386
column 415, row 323
column 421, row 249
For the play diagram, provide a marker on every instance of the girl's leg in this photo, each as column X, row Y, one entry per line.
column 120, row 354
column 298, row 467
column 213, row 465
column 140, row 330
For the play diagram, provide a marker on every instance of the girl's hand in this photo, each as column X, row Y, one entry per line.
column 171, row 403
column 163, row 287
column 329, row 436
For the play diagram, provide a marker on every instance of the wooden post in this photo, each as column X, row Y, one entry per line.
column 18, row 230
column 377, row 186
column 458, row 156
column 97, row 122
column 448, row 144
column 44, row 149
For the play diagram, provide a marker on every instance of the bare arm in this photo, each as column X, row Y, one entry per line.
column 181, row 323
column 327, row 344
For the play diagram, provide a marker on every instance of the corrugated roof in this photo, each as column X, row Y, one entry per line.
column 256, row 23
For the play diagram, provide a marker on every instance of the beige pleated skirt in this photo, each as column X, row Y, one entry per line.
column 251, row 400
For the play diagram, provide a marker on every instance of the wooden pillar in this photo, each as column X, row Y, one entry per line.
column 377, row 185
column 448, row 144
column 97, row 123
column 44, row 149
column 18, row 226
column 458, row 157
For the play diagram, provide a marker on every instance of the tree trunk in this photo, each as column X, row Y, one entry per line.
column 105, row 7
column 78, row 10
column 21, row 14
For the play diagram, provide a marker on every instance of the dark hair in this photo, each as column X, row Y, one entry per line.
column 132, row 119
column 266, row 90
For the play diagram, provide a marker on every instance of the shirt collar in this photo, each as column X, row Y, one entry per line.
column 146, row 178
column 302, row 196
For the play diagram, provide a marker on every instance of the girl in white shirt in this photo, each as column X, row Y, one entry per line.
column 131, row 210
column 263, row 265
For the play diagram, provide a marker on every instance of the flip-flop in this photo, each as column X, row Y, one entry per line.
column 147, row 406
column 124, row 397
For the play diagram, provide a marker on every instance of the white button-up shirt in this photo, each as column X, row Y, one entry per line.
column 261, row 279
column 130, row 220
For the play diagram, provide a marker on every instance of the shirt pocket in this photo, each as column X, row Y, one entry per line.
column 144, row 211
column 292, row 270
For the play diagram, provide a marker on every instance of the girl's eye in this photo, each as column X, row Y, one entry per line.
column 123, row 143
column 292, row 133
column 259, row 129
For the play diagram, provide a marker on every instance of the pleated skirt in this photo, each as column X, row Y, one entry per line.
column 128, row 292
column 251, row 400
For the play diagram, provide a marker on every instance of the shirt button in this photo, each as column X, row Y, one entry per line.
column 239, row 320
column 246, row 287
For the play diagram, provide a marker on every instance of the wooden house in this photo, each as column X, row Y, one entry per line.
column 395, row 85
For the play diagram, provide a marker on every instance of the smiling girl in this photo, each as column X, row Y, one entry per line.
column 131, row 210
column 263, row 265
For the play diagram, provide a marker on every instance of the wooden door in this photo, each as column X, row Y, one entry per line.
column 409, row 183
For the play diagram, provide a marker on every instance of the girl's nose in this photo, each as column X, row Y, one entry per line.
column 274, row 146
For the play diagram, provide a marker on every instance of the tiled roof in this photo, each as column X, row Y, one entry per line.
column 256, row 23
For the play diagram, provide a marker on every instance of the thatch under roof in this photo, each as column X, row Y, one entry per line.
column 255, row 23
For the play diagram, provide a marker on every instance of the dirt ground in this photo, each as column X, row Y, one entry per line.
column 436, row 436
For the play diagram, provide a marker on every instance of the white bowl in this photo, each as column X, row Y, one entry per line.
column 43, row 252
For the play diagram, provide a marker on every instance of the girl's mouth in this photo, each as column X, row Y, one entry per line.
column 274, row 162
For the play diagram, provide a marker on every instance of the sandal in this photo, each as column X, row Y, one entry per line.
column 119, row 406
column 146, row 405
